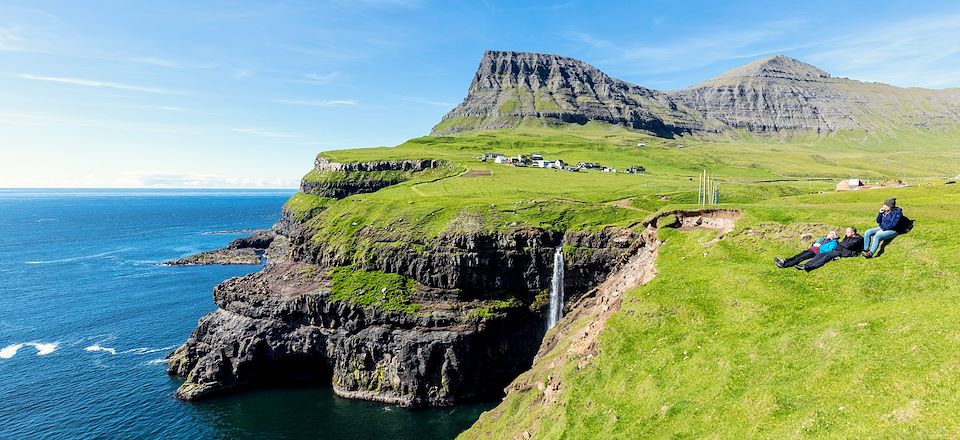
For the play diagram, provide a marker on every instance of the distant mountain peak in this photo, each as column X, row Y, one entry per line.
column 775, row 67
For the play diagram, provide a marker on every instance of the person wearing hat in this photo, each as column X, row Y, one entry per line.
column 888, row 225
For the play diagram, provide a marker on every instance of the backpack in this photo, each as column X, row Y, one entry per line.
column 904, row 225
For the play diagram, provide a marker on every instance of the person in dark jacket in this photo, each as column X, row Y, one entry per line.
column 821, row 245
column 888, row 225
column 850, row 246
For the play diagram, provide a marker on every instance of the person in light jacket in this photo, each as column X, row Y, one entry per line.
column 850, row 246
column 822, row 244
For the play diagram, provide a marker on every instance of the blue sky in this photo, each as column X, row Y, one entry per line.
column 233, row 93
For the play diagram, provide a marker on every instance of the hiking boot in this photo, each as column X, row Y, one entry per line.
column 867, row 254
column 801, row 267
column 780, row 262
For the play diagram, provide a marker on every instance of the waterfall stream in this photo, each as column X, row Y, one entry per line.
column 556, row 289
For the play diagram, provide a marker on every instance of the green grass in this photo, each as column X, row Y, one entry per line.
column 722, row 344
column 387, row 291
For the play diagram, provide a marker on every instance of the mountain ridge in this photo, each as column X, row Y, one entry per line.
column 772, row 95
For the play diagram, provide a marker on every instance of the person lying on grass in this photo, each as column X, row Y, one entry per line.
column 890, row 222
column 848, row 247
column 823, row 244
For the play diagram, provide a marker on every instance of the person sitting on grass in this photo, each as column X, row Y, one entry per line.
column 850, row 246
column 888, row 226
column 823, row 244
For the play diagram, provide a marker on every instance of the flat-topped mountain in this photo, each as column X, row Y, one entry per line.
column 510, row 87
column 771, row 95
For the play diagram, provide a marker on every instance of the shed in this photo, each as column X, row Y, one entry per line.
column 849, row 185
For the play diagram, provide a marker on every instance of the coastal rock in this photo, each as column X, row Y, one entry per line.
column 244, row 250
column 279, row 325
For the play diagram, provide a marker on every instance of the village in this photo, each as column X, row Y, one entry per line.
column 537, row 160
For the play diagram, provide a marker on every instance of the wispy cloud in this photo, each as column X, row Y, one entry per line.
column 159, row 179
column 590, row 40
column 326, row 78
column 419, row 100
column 916, row 52
column 99, row 84
column 10, row 39
column 687, row 53
column 317, row 103
column 266, row 133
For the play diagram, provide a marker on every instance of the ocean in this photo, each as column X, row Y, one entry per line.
column 88, row 313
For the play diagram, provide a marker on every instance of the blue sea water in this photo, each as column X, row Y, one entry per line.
column 88, row 312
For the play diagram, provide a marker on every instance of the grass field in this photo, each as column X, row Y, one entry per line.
column 721, row 344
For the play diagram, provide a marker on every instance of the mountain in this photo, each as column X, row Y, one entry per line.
column 510, row 87
column 771, row 95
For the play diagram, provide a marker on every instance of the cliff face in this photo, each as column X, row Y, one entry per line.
column 771, row 95
column 477, row 319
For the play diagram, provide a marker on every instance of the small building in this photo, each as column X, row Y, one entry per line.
column 500, row 159
column 490, row 156
column 559, row 163
column 609, row 170
column 536, row 157
column 636, row 169
column 850, row 185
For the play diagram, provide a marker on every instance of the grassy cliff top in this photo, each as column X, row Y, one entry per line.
column 723, row 344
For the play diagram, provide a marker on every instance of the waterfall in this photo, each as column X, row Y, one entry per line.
column 556, row 289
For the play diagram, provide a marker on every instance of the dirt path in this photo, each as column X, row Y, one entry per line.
column 625, row 203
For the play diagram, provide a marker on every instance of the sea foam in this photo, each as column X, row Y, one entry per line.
column 43, row 348
column 96, row 347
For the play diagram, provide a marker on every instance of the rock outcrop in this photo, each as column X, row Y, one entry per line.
column 280, row 325
column 244, row 250
column 772, row 95
column 337, row 180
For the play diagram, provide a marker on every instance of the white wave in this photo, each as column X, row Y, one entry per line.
column 43, row 348
column 10, row 351
column 156, row 361
column 80, row 258
column 97, row 347
column 146, row 350
column 45, row 220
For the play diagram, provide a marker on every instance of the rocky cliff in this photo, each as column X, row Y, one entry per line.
column 772, row 95
column 395, row 318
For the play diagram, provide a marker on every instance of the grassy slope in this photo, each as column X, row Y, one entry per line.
column 724, row 344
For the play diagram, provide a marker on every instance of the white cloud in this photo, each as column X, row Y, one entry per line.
column 266, row 133
column 419, row 100
column 917, row 52
column 155, row 179
column 317, row 103
column 314, row 77
column 100, row 84
column 10, row 39
column 588, row 39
